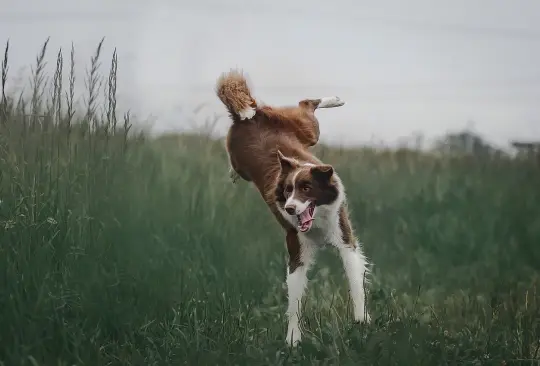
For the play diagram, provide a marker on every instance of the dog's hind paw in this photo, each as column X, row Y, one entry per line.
column 233, row 175
column 331, row 102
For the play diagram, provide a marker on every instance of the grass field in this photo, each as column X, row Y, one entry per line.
column 117, row 249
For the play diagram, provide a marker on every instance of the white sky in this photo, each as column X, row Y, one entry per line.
column 402, row 66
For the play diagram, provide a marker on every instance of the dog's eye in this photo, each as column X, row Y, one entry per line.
column 306, row 188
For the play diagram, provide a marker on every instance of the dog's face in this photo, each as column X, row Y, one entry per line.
column 302, row 188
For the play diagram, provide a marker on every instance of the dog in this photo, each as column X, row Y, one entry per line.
column 269, row 147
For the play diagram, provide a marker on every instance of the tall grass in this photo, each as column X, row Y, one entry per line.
column 116, row 249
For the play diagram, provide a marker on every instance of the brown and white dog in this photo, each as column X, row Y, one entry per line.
column 269, row 146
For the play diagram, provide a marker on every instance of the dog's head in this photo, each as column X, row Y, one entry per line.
column 302, row 188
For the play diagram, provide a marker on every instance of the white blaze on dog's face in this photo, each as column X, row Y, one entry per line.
column 303, row 187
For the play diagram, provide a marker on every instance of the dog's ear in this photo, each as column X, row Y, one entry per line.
column 322, row 173
column 286, row 164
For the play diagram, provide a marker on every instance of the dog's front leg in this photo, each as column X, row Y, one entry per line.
column 355, row 265
column 301, row 256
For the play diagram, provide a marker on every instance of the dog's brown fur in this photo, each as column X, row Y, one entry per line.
column 234, row 92
column 253, row 144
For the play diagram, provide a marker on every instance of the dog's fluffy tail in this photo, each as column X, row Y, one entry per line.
column 233, row 91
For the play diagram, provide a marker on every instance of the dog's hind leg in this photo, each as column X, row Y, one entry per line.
column 233, row 175
column 307, row 122
column 324, row 102
column 234, row 172
column 330, row 102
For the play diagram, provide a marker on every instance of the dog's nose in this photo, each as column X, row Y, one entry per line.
column 290, row 210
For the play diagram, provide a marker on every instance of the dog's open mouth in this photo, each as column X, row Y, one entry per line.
column 305, row 219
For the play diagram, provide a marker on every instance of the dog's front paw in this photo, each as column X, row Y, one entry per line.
column 293, row 336
column 362, row 318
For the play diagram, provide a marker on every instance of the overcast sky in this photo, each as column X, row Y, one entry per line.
column 402, row 66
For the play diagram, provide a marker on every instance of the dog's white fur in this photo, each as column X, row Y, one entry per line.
column 247, row 113
column 330, row 102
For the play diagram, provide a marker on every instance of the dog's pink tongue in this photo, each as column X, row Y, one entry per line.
column 305, row 217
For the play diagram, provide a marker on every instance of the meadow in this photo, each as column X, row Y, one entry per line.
column 121, row 249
